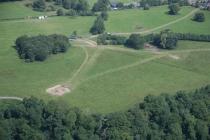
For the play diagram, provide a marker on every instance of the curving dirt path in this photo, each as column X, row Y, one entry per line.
column 10, row 98
column 81, row 66
column 88, row 42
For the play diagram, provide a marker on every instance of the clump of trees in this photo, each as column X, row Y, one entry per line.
column 104, row 15
column 174, row 8
column 146, row 7
column 152, row 2
column 39, row 5
column 38, row 48
column 98, row 26
column 60, row 12
column 199, row 17
column 192, row 37
column 165, row 40
column 135, row 41
column 108, row 39
column 101, row 5
column 183, row 116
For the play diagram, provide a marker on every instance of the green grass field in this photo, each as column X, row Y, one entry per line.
column 16, row 10
column 112, row 78
column 139, row 20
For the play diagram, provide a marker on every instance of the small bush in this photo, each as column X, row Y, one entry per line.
column 60, row 12
column 135, row 41
column 146, row 7
column 39, row 5
column 199, row 17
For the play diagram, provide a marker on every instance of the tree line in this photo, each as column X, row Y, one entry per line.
column 38, row 48
column 183, row 116
column 163, row 40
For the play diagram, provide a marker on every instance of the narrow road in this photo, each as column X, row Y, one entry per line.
column 82, row 65
column 10, row 98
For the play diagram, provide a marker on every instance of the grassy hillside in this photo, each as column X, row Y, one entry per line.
column 188, row 25
column 139, row 20
column 119, row 89
column 110, row 80
column 16, row 10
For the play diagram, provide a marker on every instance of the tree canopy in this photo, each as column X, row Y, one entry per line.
column 173, row 9
column 199, row 16
column 135, row 41
column 98, row 26
column 183, row 116
column 37, row 48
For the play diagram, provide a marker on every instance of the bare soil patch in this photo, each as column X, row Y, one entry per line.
column 174, row 57
column 152, row 48
column 58, row 90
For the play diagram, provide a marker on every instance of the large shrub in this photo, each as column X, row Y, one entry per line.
column 39, row 5
column 135, row 41
column 173, row 9
column 98, row 26
column 108, row 39
column 199, row 16
column 165, row 40
column 37, row 48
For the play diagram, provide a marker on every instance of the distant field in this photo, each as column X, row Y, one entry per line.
column 113, row 78
column 188, row 25
column 139, row 20
column 16, row 10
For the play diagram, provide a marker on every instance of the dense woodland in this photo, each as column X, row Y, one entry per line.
column 184, row 116
column 38, row 48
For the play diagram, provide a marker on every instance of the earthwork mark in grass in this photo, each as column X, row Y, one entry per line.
column 81, row 66
column 123, row 67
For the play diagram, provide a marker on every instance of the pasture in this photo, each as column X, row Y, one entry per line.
column 110, row 78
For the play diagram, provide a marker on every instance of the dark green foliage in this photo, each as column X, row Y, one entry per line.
column 60, row 12
column 146, row 7
column 199, row 16
column 39, row 5
column 9, row 0
column 98, row 26
column 165, row 40
column 184, row 116
column 152, row 2
column 101, row 5
column 192, row 37
column 135, row 41
column 108, row 39
column 104, row 15
column 78, row 5
column 173, row 9
column 71, row 12
column 38, row 48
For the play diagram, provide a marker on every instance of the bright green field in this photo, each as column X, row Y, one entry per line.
column 188, row 25
column 111, row 79
column 16, row 10
column 138, row 20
